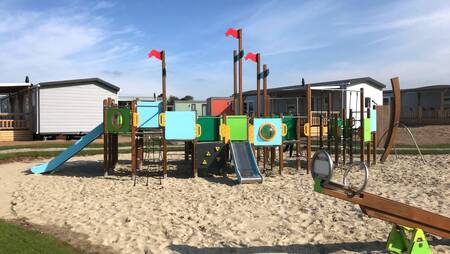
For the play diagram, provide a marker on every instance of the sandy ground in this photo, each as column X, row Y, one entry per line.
column 214, row 215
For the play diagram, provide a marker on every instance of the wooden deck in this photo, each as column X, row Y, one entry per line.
column 15, row 127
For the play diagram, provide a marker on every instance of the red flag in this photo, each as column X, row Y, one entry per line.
column 154, row 53
column 252, row 56
column 232, row 32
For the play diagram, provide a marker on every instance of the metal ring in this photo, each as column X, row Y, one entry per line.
column 350, row 192
column 329, row 161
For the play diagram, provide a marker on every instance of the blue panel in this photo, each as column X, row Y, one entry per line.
column 149, row 113
column 373, row 120
column 258, row 141
column 180, row 125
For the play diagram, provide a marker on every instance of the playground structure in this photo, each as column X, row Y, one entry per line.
column 407, row 220
column 216, row 141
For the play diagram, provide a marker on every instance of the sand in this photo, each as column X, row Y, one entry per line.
column 214, row 215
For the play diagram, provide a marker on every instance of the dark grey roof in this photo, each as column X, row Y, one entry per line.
column 423, row 88
column 344, row 82
column 78, row 82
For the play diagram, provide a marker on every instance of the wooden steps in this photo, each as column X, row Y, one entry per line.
column 16, row 135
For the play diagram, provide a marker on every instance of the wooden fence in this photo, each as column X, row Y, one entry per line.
column 425, row 117
column 12, row 121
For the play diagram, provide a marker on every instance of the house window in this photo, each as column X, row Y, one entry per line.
column 193, row 107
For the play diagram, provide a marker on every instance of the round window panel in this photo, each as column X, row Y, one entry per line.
column 267, row 132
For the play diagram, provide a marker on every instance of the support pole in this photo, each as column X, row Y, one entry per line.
column 350, row 143
column 309, row 119
column 133, row 141
column 164, row 109
column 241, row 54
column 374, row 148
column 266, row 110
column 258, row 97
column 361, row 125
column 330, row 109
column 105, row 140
column 235, row 59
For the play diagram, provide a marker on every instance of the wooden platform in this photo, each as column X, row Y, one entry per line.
column 16, row 135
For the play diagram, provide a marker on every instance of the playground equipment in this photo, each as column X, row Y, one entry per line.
column 407, row 220
column 209, row 141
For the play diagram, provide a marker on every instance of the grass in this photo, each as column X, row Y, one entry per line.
column 17, row 239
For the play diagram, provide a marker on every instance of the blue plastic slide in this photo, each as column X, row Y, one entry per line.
column 245, row 165
column 69, row 152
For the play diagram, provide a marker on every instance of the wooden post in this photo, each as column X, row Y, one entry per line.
column 133, row 141
column 266, row 109
column 193, row 158
column 321, row 122
column 374, row 148
column 105, row 139
column 394, row 120
column 337, row 138
column 344, row 136
column 330, row 109
column 351, row 136
column 361, row 125
column 258, row 97
column 164, row 109
column 280, row 153
column 298, row 143
column 235, row 59
column 241, row 54
column 309, row 119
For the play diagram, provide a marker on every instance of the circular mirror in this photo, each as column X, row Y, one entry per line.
column 267, row 131
column 322, row 166
column 117, row 120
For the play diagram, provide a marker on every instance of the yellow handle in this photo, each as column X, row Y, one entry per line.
column 224, row 133
column 306, row 129
column 284, row 129
column 135, row 119
column 162, row 119
column 250, row 133
column 198, row 130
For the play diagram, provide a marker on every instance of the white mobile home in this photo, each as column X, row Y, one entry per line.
column 70, row 106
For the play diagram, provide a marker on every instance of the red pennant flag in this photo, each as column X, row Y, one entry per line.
column 252, row 56
column 232, row 32
column 154, row 53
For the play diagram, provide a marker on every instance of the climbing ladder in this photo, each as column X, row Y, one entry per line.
column 151, row 163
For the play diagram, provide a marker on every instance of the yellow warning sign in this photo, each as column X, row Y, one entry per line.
column 204, row 162
column 218, row 158
column 208, row 154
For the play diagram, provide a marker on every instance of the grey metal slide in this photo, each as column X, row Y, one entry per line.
column 245, row 165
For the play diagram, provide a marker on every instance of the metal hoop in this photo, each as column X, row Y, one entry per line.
column 350, row 192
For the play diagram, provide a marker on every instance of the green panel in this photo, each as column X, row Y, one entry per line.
column 335, row 123
column 238, row 127
column 210, row 128
column 348, row 128
column 118, row 120
column 291, row 123
column 367, row 133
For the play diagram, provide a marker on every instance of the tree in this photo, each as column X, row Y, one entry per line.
column 172, row 99
column 187, row 98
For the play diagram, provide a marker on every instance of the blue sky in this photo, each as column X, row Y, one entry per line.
column 317, row 40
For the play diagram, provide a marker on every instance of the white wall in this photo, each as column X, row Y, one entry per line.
column 353, row 101
column 71, row 109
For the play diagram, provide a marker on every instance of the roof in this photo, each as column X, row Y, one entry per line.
column 345, row 82
column 13, row 87
column 78, row 82
column 189, row 101
column 132, row 98
column 423, row 88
